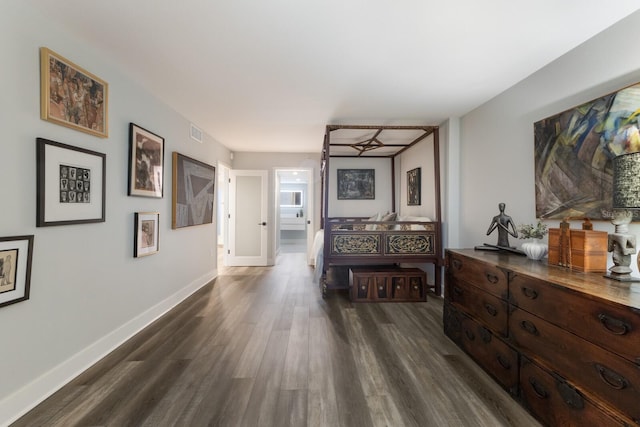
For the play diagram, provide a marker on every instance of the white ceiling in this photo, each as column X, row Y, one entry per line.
column 268, row 75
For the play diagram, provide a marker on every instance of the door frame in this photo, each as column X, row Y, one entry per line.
column 309, row 205
column 262, row 259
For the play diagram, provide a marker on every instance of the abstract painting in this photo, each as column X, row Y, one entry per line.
column 574, row 151
column 193, row 192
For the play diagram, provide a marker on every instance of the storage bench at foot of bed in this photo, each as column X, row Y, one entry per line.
column 387, row 284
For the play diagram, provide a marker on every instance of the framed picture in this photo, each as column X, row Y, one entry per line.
column 70, row 184
column 413, row 187
column 15, row 268
column 71, row 96
column 354, row 184
column 147, row 234
column 146, row 160
column 573, row 153
column 193, row 192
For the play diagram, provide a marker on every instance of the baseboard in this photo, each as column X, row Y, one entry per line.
column 29, row 396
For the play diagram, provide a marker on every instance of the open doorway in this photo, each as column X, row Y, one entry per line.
column 222, row 214
column 294, row 210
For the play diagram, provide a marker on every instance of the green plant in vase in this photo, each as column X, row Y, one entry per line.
column 534, row 249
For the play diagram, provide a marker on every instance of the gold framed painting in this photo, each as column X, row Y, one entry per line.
column 71, row 96
column 193, row 192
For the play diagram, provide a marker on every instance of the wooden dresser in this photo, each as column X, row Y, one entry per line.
column 565, row 344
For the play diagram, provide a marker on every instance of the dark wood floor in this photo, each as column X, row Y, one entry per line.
column 260, row 347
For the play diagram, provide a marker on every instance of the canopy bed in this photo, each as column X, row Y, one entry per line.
column 391, row 237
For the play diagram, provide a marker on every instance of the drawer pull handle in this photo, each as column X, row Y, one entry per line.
column 490, row 309
column 504, row 362
column 458, row 290
column 529, row 293
column 363, row 287
column 457, row 264
column 613, row 325
column 380, row 288
column 485, row 335
column 529, row 327
column 470, row 335
column 538, row 389
column 570, row 395
column 611, row 378
column 492, row 278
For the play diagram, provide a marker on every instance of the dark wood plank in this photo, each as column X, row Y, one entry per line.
column 261, row 347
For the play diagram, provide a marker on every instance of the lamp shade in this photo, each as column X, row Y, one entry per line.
column 626, row 181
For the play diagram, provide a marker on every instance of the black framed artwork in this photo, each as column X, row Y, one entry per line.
column 146, row 233
column 71, row 183
column 356, row 184
column 413, row 187
column 16, row 253
column 146, row 160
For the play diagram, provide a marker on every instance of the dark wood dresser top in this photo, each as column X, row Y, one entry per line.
column 594, row 284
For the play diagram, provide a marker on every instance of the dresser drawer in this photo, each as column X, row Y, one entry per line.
column 555, row 402
column 487, row 308
column 496, row 357
column 369, row 287
column 607, row 376
column 485, row 276
column 409, row 287
column 614, row 327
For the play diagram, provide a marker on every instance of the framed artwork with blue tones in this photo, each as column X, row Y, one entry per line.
column 574, row 150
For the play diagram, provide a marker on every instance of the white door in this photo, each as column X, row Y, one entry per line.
column 247, row 218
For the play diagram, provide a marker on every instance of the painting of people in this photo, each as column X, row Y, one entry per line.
column 72, row 96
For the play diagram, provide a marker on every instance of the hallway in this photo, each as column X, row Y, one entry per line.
column 260, row 347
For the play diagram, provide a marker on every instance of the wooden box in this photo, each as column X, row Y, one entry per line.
column 587, row 253
column 387, row 283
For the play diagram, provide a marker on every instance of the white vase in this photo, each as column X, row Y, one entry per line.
column 535, row 249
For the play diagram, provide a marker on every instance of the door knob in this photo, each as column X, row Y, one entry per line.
column 262, row 223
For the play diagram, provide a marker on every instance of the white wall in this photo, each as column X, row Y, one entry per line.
column 272, row 161
column 88, row 293
column 418, row 156
column 497, row 160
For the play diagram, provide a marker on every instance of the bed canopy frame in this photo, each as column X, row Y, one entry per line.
column 363, row 141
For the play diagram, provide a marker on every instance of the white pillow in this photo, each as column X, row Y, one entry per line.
column 371, row 227
column 411, row 226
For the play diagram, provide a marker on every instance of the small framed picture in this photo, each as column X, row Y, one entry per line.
column 15, row 268
column 71, row 96
column 70, row 184
column 146, row 234
column 146, row 160
column 413, row 187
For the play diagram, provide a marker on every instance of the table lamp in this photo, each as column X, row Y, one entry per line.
column 626, row 199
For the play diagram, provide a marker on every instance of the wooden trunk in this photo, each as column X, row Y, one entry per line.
column 587, row 250
column 387, row 284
